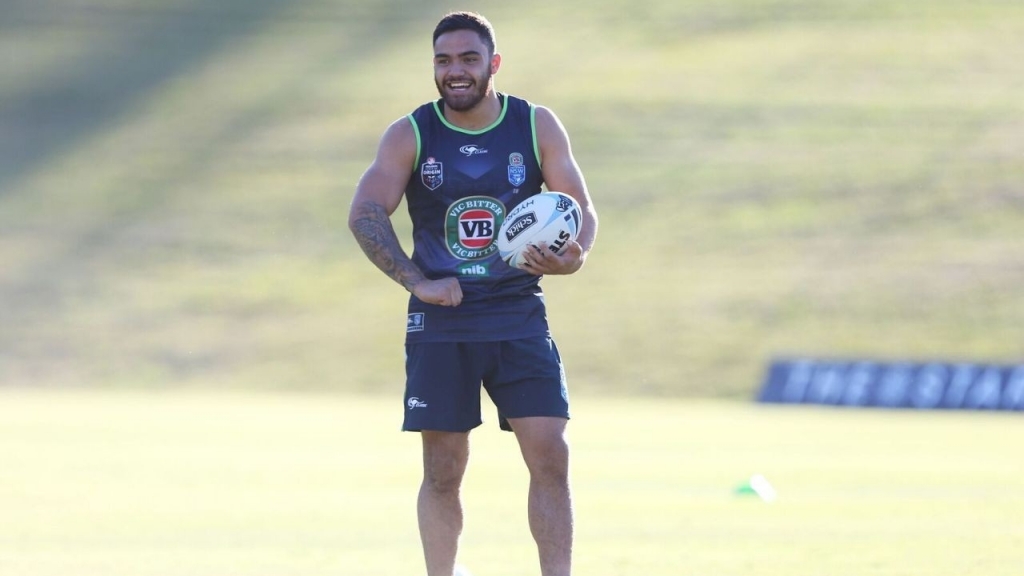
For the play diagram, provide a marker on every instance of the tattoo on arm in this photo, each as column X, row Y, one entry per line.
column 376, row 236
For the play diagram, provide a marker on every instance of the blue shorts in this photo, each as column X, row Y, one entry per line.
column 443, row 380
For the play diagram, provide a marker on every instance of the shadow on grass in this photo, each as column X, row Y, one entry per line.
column 140, row 47
column 130, row 51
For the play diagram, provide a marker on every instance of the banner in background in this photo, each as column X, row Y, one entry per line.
column 914, row 385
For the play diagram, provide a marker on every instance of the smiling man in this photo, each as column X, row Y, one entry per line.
column 462, row 163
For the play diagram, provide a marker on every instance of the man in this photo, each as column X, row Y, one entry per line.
column 462, row 162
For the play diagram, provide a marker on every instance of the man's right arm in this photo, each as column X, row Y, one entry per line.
column 377, row 196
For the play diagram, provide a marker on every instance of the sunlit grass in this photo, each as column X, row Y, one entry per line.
column 773, row 177
column 127, row 483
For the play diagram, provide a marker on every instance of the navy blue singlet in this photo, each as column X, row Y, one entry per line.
column 463, row 184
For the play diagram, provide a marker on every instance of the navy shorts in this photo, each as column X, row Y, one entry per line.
column 523, row 377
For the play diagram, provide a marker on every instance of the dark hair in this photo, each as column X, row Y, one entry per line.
column 467, row 21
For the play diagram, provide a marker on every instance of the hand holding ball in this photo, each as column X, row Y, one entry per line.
column 549, row 218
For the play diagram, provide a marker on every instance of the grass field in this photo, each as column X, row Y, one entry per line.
column 124, row 483
column 805, row 177
column 831, row 177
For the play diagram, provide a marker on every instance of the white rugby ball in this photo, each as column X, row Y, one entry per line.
column 552, row 218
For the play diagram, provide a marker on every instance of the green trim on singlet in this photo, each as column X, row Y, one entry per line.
column 504, row 108
column 419, row 141
column 533, row 129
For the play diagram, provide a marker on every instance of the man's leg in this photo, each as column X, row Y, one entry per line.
column 546, row 453
column 439, row 507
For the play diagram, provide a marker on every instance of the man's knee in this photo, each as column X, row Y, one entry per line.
column 551, row 463
column 445, row 455
column 545, row 446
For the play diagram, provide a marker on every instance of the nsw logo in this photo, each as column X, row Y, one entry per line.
column 516, row 169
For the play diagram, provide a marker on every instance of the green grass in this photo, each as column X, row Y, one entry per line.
column 834, row 177
column 158, row 484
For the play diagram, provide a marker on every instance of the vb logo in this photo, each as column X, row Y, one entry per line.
column 470, row 226
column 476, row 228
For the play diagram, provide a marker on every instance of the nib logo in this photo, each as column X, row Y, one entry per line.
column 475, row 270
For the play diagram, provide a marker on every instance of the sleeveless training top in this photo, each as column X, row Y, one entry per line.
column 463, row 184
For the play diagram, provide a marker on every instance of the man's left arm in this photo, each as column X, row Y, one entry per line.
column 562, row 174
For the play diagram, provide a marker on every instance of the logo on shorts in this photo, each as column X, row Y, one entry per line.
column 415, row 321
column 414, row 403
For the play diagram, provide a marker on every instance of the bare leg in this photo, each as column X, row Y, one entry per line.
column 439, row 507
column 546, row 453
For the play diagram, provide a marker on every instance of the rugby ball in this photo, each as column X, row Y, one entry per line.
column 551, row 218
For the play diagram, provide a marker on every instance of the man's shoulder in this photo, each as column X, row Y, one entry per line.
column 542, row 112
column 400, row 137
column 513, row 101
column 425, row 108
column 515, row 98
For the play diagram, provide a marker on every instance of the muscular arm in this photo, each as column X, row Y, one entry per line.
column 563, row 174
column 370, row 223
column 377, row 196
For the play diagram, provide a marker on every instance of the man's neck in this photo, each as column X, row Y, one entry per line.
column 482, row 115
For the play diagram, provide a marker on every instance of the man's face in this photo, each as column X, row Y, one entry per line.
column 462, row 69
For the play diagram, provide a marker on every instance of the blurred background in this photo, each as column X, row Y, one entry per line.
column 823, row 177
